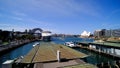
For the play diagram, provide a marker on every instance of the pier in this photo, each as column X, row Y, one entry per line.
column 45, row 56
column 104, row 48
column 108, row 49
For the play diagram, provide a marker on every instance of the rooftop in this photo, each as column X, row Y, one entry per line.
column 108, row 44
column 46, row 32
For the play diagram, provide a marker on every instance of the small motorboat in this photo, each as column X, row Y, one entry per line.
column 36, row 44
column 70, row 44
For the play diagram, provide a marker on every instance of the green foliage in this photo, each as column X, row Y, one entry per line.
column 28, row 36
column 4, row 36
column 5, row 43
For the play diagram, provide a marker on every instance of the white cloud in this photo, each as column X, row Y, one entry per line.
column 43, row 23
column 11, row 26
column 2, row 25
column 56, row 7
column 16, row 18
column 19, row 13
column 13, row 15
column 66, row 6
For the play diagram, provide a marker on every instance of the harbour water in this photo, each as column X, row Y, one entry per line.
column 93, row 58
column 60, row 40
column 21, row 51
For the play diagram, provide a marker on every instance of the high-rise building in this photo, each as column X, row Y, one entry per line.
column 46, row 35
column 116, row 33
column 107, row 33
column 98, row 33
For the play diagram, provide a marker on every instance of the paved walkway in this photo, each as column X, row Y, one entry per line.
column 58, row 64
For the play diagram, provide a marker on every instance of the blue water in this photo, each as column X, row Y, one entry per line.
column 60, row 40
column 21, row 51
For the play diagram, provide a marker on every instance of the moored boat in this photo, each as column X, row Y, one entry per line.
column 36, row 44
column 70, row 44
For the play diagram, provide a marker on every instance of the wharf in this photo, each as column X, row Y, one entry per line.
column 45, row 56
column 108, row 44
column 104, row 48
column 105, row 44
column 47, row 52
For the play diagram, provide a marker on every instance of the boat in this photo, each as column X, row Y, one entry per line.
column 7, row 64
column 70, row 44
column 11, row 63
column 36, row 44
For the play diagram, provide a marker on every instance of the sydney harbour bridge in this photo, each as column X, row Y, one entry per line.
column 39, row 33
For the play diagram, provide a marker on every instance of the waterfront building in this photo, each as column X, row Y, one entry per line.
column 46, row 35
column 97, row 33
column 116, row 33
column 107, row 33
column 112, row 33
column 100, row 33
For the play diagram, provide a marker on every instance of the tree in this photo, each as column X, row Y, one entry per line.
column 5, row 35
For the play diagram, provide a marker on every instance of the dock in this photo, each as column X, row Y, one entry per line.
column 45, row 56
column 48, row 51
column 105, row 44
column 108, row 49
column 104, row 48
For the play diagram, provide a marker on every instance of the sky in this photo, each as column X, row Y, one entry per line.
column 60, row 16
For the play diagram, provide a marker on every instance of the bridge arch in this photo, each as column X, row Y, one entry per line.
column 36, row 29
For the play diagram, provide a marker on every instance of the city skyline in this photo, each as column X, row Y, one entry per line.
column 60, row 16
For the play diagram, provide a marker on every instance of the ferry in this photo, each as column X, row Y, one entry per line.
column 36, row 44
column 70, row 44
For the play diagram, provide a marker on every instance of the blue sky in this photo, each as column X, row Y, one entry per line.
column 60, row 16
